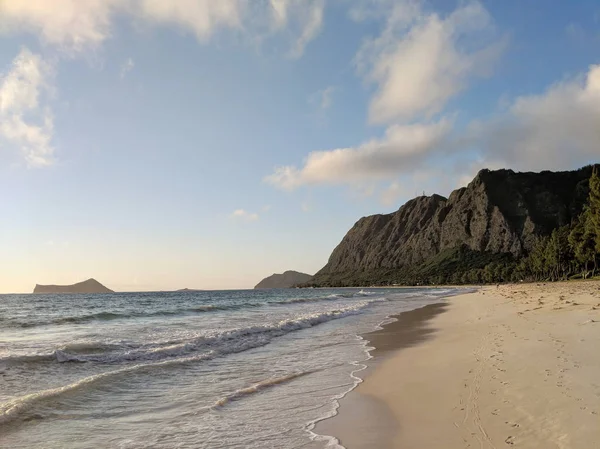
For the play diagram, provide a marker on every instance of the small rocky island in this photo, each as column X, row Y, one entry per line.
column 287, row 279
column 89, row 286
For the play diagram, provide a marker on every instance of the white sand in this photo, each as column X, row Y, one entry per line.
column 517, row 366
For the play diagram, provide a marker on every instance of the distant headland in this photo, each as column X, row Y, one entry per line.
column 89, row 286
column 287, row 279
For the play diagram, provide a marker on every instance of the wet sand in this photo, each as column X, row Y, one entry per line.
column 366, row 421
column 515, row 366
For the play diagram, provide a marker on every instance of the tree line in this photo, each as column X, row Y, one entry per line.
column 573, row 249
column 570, row 251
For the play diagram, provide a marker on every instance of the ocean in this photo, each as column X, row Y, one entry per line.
column 193, row 369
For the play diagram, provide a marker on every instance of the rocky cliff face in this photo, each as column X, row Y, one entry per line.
column 498, row 212
column 287, row 279
column 89, row 286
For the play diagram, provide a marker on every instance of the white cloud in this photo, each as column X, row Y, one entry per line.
column 77, row 26
column 126, row 67
column 304, row 16
column 311, row 20
column 323, row 98
column 402, row 147
column 421, row 60
column 556, row 130
column 80, row 25
column 73, row 25
column 202, row 17
column 393, row 193
column 243, row 215
column 23, row 122
column 266, row 208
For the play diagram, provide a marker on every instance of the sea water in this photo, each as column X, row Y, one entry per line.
column 192, row 369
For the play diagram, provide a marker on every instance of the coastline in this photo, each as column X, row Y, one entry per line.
column 366, row 420
column 515, row 365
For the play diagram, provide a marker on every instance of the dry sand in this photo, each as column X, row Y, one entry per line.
column 514, row 366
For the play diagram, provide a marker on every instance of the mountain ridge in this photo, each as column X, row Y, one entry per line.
column 499, row 214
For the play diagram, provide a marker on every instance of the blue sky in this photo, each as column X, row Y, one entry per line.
column 203, row 144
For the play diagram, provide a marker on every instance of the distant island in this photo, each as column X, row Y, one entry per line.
column 287, row 279
column 89, row 286
column 190, row 290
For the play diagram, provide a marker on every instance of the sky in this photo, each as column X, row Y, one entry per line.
column 161, row 145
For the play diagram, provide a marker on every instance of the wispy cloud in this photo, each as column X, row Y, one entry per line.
column 421, row 59
column 557, row 129
column 402, row 147
column 310, row 17
column 78, row 27
column 243, row 215
column 24, row 122
column 72, row 25
column 323, row 98
column 126, row 67
column 554, row 130
column 75, row 26
column 392, row 193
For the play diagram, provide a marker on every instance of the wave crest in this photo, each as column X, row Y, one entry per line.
column 258, row 387
column 222, row 342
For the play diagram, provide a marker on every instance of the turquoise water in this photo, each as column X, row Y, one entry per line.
column 218, row 369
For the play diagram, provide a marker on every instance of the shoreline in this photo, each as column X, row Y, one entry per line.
column 510, row 365
column 366, row 412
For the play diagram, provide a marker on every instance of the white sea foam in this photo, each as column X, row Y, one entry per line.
column 258, row 387
column 14, row 408
column 331, row 441
column 223, row 342
column 217, row 344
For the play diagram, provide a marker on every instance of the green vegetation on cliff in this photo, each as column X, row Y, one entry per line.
column 503, row 227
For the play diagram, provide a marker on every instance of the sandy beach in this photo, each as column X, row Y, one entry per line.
column 514, row 366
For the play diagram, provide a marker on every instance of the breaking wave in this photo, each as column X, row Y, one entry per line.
column 223, row 342
column 257, row 388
